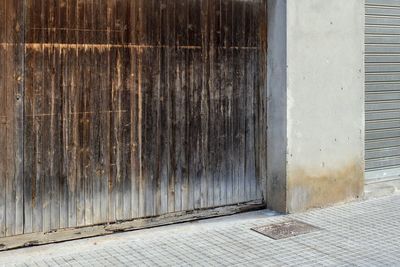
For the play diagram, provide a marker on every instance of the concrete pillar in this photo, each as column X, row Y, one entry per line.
column 316, row 103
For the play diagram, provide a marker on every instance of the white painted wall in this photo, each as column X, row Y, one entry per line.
column 324, row 101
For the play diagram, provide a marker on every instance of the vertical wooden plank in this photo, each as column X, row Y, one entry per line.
column 48, row 119
column 38, row 99
column 238, row 59
column 104, row 105
column 46, row 135
column 89, row 85
column 90, row 108
column 153, row 55
column 14, row 110
column 162, row 131
column 47, row 115
column 164, row 107
column 149, row 86
column 229, row 95
column 12, row 119
column 117, row 116
column 236, row 137
column 260, row 41
column 126, row 107
column 65, row 37
column 96, row 169
column 211, row 82
column 111, row 89
column 252, row 69
column 215, row 114
column 55, row 124
column 148, row 132
column 192, row 134
column 217, row 108
column 251, row 150
column 65, row 122
column 80, row 122
column 198, row 37
column 122, row 112
column 10, row 111
column 250, row 122
column 3, row 118
column 191, row 124
column 181, row 115
column 62, row 76
column 203, row 111
column 116, row 201
column 19, row 107
column 226, row 99
column 134, row 106
column 32, row 11
column 140, row 126
column 140, row 33
column 183, row 104
column 73, row 100
column 170, row 69
column 253, row 14
column 72, row 128
column 32, row 60
column 174, row 196
column 208, row 53
column 263, row 40
column 224, row 119
column 134, row 142
column 174, row 85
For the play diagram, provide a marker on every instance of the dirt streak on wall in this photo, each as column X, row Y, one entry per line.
column 315, row 188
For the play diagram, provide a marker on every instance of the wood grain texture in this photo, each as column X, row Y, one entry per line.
column 113, row 110
column 11, row 118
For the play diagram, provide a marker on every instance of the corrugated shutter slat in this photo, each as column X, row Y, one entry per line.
column 382, row 98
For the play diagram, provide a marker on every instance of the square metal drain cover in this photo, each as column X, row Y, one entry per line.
column 285, row 229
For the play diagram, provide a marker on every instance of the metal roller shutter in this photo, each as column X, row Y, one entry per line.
column 382, row 66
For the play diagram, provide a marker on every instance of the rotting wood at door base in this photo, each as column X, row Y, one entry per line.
column 36, row 239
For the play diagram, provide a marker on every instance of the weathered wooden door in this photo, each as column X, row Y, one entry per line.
column 131, row 109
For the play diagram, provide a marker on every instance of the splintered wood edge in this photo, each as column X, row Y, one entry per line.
column 37, row 239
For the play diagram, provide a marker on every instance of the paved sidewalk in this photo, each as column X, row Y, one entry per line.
column 357, row 234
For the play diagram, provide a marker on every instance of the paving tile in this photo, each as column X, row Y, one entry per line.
column 356, row 234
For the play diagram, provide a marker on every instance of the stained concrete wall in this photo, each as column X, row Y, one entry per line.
column 316, row 103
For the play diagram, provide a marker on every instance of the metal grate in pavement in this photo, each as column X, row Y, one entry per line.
column 285, row 229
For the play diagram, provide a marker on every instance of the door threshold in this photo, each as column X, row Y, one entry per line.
column 62, row 235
